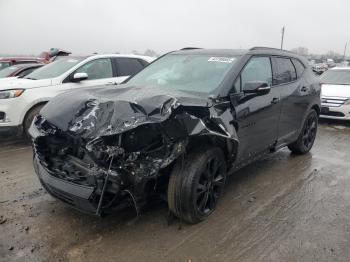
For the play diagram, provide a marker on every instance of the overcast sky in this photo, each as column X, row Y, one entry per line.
column 86, row 26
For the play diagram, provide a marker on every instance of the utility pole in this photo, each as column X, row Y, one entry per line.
column 282, row 37
column 346, row 44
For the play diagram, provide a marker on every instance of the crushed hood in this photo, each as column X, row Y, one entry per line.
column 97, row 112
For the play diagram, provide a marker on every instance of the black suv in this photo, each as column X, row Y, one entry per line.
column 175, row 129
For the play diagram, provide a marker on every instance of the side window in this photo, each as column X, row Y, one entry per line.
column 26, row 72
column 24, row 62
column 283, row 70
column 257, row 69
column 298, row 66
column 128, row 66
column 97, row 69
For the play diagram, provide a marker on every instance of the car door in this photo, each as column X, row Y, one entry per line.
column 257, row 116
column 99, row 72
column 292, row 88
column 127, row 66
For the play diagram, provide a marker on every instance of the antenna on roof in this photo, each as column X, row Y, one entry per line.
column 282, row 38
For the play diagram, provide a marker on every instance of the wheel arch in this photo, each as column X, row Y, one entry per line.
column 316, row 108
column 228, row 146
column 41, row 103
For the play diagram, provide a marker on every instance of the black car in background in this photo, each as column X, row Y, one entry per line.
column 176, row 128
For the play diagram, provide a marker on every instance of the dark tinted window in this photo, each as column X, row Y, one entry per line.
column 128, row 66
column 24, row 62
column 26, row 71
column 257, row 69
column 283, row 71
column 299, row 67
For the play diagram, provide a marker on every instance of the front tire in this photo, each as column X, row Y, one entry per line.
column 196, row 183
column 307, row 135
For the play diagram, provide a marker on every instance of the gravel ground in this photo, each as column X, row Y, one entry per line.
column 281, row 208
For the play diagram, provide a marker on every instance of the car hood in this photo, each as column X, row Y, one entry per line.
column 23, row 83
column 115, row 109
column 336, row 90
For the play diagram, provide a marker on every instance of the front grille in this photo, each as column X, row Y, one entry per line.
column 333, row 101
column 2, row 115
column 332, row 113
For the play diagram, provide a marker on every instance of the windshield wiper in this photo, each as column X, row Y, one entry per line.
column 31, row 78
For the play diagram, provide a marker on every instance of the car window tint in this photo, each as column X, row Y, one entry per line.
column 283, row 71
column 257, row 69
column 26, row 71
column 24, row 62
column 128, row 66
column 97, row 69
column 298, row 66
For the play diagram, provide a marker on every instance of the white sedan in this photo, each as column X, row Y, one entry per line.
column 336, row 93
column 21, row 99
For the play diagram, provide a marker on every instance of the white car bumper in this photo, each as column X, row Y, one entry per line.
column 10, row 118
column 339, row 112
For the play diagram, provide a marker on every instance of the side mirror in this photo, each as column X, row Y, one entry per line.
column 77, row 77
column 256, row 87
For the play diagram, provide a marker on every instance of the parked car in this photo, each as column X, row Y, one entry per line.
column 21, row 99
column 336, row 93
column 20, row 70
column 43, row 58
column 9, row 61
column 178, row 127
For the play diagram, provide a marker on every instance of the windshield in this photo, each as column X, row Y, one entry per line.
column 4, row 65
column 7, row 71
column 336, row 77
column 197, row 73
column 54, row 69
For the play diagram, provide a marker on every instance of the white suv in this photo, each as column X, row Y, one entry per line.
column 21, row 99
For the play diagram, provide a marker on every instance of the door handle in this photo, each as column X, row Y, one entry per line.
column 304, row 89
column 275, row 100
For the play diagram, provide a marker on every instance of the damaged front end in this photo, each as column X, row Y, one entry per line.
column 110, row 153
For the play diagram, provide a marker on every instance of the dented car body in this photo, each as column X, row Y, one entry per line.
column 179, row 126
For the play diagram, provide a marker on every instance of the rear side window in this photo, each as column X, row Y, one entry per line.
column 128, row 66
column 298, row 66
column 283, row 71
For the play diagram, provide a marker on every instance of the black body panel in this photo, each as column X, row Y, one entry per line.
column 117, row 143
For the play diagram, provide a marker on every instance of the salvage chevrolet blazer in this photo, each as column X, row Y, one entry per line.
column 176, row 129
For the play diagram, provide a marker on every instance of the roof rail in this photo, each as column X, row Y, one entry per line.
column 190, row 48
column 268, row 48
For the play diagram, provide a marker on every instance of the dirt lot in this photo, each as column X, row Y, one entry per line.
column 282, row 208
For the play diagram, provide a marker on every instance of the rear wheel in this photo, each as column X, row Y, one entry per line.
column 28, row 119
column 196, row 183
column 307, row 136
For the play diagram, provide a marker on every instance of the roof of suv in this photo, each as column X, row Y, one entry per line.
column 236, row 52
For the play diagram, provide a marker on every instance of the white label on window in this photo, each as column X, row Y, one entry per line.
column 72, row 61
column 221, row 59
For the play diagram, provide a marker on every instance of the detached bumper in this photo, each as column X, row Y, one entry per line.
column 74, row 195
